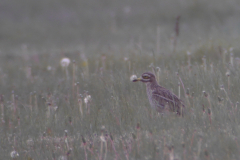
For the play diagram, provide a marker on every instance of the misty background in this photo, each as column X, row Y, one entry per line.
column 52, row 24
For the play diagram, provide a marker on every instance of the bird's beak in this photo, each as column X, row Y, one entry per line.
column 138, row 79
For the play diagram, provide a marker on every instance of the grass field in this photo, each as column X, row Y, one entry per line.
column 90, row 109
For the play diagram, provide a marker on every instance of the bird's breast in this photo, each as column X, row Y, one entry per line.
column 149, row 94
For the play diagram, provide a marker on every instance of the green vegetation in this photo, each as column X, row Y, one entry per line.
column 90, row 109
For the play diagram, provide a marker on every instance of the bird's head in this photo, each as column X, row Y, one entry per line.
column 146, row 77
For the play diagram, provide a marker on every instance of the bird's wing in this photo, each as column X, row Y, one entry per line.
column 166, row 98
column 165, row 95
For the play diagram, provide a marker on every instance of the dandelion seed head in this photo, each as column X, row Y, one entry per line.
column 151, row 65
column 127, row 9
column 49, row 68
column 126, row 59
column 133, row 77
column 30, row 142
column 87, row 99
column 62, row 158
column 55, row 108
column 189, row 53
column 205, row 94
column 14, row 154
column 228, row 73
column 158, row 69
column 65, row 62
column 102, row 139
column 103, row 128
column 222, row 87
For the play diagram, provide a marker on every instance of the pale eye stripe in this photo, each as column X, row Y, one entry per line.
column 145, row 75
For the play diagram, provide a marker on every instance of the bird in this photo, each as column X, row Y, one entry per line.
column 160, row 98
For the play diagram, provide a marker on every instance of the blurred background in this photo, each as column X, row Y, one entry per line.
column 60, row 24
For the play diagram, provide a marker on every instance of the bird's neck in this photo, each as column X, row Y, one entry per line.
column 152, row 84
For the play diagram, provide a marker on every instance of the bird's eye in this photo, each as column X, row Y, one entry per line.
column 145, row 77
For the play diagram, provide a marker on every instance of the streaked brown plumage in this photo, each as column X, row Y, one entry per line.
column 159, row 97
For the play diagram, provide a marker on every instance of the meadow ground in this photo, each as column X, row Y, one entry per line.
column 90, row 109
